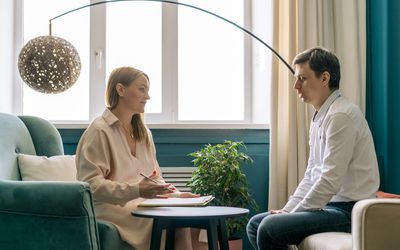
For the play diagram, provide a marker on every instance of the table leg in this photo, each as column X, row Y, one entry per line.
column 156, row 235
column 212, row 234
column 222, row 234
column 170, row 238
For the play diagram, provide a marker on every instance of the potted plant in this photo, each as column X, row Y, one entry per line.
column 219, row 173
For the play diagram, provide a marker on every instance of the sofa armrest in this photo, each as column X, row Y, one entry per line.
column 47, row 215
column 110, row 238
column 46, row 198
column 375, row 224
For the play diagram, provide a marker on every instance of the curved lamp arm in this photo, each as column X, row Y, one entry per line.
column 187, row 5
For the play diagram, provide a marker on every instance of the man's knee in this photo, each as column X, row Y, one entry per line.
column 273, row 228
column 249, row 228
column 254, row 222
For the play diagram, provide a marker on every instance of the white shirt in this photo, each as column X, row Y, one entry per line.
column 342, row 165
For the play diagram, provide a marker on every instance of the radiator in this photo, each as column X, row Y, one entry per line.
column 178, row 176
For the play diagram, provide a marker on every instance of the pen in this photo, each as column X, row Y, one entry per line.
column 148, row 178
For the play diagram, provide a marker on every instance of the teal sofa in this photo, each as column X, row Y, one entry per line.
column 45, row 214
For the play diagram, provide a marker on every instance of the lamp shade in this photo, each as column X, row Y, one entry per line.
column 49, row 64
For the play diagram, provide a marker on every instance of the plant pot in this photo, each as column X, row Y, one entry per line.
column 201, row 243
column 236, row 244
column 233, row 245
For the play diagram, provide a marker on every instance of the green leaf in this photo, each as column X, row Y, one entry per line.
column 219, row 173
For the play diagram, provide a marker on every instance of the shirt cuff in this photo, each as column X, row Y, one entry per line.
column 134, row 191
column 298, row 208
column 289, row 205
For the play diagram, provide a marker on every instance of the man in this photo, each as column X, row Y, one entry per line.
column 342, row 166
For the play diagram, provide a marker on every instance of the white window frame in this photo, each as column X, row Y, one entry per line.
column 169, row 116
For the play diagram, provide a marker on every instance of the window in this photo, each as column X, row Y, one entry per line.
column 137, row 43
column 202, row 70
column 211, row 63
column 72, row 104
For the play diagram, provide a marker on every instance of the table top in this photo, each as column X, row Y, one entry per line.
column 189, row 212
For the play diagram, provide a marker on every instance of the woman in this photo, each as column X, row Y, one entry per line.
column 113, row 153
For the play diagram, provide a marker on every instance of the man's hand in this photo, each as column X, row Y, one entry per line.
column 278, row 212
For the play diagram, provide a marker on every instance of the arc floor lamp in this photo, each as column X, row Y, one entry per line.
column 50, row 64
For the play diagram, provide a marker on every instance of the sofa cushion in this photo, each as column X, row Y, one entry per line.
column 14, row 139
column 42, row 168
column 45, row 136
column 381, row 194
column 327, row 241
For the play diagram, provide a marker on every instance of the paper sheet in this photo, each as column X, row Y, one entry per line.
column 177, row 202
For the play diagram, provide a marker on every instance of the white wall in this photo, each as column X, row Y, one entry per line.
column 7, row 62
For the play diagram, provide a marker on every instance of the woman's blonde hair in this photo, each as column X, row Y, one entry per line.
column 125, row 76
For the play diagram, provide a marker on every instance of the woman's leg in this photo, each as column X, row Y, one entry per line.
column 183, row 239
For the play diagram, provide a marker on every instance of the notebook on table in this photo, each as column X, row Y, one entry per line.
column 177, row 202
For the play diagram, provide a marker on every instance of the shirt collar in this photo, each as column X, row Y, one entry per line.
column 319, row 115
column 109, row 117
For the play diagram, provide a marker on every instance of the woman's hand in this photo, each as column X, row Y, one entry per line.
column 150, row 189
column 188, row 195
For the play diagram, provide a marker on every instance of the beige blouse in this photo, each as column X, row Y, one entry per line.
column 104, row 160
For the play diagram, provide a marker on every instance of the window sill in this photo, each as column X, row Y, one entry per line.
column 82, row 125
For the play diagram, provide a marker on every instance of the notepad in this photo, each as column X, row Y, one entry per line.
column 177, row 202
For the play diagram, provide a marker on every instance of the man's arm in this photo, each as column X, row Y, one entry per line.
column 305, row 184
column 300, row 192
column 340, row 142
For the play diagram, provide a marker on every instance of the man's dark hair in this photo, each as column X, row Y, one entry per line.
column 321, row 60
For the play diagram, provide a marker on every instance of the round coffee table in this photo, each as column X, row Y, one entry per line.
column 210, row 218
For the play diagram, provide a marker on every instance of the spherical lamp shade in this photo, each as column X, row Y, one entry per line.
column 49, row 64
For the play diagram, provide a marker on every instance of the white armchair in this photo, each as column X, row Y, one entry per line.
column 375, row 226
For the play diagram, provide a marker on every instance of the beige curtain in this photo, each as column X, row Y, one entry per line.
column 338, row 25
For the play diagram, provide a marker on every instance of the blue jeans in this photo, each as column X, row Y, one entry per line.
column 277, row 231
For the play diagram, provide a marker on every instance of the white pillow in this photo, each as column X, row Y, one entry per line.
column 42, row 168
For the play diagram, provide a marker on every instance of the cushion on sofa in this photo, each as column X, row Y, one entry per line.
column 381, row 194
column 42, row 168
column 327, row 241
